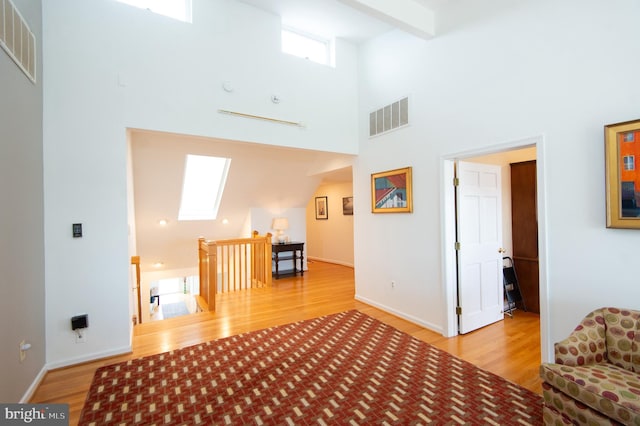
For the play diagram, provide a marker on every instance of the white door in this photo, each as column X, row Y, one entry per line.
column 479, row 229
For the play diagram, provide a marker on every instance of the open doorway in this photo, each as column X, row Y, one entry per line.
column 322, row 244
column 172, row 297
column 489, row 154
column 166, row 246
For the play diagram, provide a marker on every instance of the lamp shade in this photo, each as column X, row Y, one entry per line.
column 280, row 223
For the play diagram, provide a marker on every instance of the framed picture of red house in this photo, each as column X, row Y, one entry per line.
column 622, row 152
column 391, row 191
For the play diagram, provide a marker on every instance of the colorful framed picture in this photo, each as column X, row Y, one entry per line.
column 347, row 206
column 391, row 191
column 622, row 151
column 322, row 208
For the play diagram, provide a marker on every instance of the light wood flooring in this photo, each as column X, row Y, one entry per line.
column 509, row 348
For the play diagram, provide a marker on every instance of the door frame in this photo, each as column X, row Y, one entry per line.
column 448, row 227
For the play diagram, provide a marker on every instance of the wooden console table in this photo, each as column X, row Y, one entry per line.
column 293, row 251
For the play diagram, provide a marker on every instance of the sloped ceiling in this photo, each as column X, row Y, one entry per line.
column 260, row 176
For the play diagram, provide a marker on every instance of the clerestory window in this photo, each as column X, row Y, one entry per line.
column 306, row 46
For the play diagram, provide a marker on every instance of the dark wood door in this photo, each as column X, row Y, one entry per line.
column 524, row 221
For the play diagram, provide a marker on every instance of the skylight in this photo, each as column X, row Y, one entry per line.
column 176, row 9
column 202, row 188
column 305, row 46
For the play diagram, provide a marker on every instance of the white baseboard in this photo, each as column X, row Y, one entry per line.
column 34, row 385
column 66, row 363
column 410, row 318
column 337, row 262
column 91, row 357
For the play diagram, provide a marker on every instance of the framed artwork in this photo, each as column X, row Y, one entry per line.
column 347, row 206
column 622, row 151
column 391, row 191
column 322, row 210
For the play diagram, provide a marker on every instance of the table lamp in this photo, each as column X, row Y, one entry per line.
column 279, row 224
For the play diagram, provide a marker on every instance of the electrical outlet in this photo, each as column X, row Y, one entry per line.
column 393, row 284
column 23, row 353
column 81, row 336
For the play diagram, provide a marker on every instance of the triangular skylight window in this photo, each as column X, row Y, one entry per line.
column 202, row 188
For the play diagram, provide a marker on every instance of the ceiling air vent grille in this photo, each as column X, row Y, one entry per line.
column 389, row 117
column 17, row 39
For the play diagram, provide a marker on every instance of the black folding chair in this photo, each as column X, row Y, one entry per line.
column 511, row 286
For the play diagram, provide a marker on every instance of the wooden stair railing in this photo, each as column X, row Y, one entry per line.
column 232, row 265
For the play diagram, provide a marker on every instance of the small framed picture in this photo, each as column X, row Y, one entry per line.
column 391, row 191
column 322, row 210
column 347, row 206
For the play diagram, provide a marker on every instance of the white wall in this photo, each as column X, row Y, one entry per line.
column 22, row 292
column 331, row 240
column 262, row 219
column 111, row 67
column 502, row 71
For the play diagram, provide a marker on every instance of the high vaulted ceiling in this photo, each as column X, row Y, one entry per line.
column 257, row 171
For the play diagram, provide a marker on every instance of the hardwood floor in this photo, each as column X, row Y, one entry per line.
column 509, row 348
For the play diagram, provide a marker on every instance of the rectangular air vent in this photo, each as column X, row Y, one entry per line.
column 389, row 117
column 17, row 39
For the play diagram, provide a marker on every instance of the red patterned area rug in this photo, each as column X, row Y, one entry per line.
column 346, row 369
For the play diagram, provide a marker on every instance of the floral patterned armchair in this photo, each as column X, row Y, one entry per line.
column 595, row 379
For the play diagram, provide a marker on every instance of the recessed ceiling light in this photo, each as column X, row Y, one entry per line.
column 163, row 222
column 225, row 221
column 158, row 265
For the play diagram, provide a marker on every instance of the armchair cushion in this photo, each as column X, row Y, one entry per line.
column 608, row 389
column 561, row 409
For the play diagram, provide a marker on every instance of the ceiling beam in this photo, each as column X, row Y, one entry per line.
column 407, row 15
